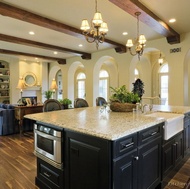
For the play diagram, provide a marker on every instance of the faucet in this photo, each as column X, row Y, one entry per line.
column 143, row 107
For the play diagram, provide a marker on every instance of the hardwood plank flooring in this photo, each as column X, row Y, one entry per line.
column 18, row 165
column 17, row 162
column 181, row 180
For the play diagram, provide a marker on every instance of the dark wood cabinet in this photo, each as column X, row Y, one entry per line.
column 173, row 152
column 125, row 171
column 186, row 133
column 149, row 164
column 140, row 167
column 49, row 176
column 88, row 162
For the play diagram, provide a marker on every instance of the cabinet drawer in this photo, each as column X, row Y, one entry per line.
column 150, row 133
column 32, row 110
column 124, row 145
column 49, row 175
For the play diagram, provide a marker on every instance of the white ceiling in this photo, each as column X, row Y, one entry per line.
column 71, row 12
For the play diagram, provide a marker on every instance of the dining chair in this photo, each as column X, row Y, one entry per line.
column 51, row 105
column 100, row 101
column 80, row 103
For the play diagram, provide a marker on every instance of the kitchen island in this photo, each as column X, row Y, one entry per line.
column 104, row 150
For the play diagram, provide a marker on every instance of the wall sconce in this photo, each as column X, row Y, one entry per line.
column 160, row 59
column 21, row 86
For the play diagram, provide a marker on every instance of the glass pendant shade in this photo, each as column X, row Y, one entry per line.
column 142, row 39
column 85, row 26
column 97, row 20
column 104, row 27
column 160, row 60
column 129, row 43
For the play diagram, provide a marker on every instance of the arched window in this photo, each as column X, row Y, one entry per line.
column 136, row 72
column 81, row 77
column 163, row 72
column 103, row 84
column 59, row 85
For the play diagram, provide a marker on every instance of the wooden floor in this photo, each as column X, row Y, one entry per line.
column 17, row 162
column 18, row 165
column 181, row 180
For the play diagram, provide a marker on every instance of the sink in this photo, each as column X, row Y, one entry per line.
column 173, row 123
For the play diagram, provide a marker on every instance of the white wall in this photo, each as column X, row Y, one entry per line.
column 121, row 71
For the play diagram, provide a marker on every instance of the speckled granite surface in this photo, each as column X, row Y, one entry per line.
column 172, row 109
column 91, row 121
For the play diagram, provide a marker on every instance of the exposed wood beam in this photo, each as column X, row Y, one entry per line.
column 149, row 18
column 20, row 14
column 59, row 60
column 21, row 41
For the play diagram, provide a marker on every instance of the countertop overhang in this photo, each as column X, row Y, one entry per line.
column 106, row 125
column 91, row 121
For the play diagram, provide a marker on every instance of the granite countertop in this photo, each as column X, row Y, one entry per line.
column 111, row 126
column 172, row 109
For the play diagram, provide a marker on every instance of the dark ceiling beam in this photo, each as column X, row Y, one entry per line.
column 59, row 60
column 23, row 15
column 149, row 18
column 27, row 42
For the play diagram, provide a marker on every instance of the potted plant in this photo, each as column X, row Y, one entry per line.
column 138, row 88
column 65, row 102
column 48, row 94
column 122, row 100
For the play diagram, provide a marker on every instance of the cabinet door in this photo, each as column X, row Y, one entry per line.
column 125, row 171
column 87, row 162
column 186, row 134
column 168, row 158
column 179, row 153
column 149, row 165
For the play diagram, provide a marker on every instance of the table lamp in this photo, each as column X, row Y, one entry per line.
column 53, row 86
column 21, row 86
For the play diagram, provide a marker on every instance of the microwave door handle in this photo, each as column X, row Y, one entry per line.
column 47, row 136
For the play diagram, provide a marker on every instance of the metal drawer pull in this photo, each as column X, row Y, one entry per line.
column 136, row 158
column 128, row 145
column 153, row 133
column 47, row 175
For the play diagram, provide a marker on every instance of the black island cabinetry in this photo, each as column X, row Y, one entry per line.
column 142, row 160
column 131, row 162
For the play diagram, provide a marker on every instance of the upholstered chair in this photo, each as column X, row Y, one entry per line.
column 51, row 105
column 7, row 119
column 100, row 101
column 80, row 103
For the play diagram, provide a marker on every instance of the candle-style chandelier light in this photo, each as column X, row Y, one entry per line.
column 140, row 41
column 96, row 33
column 160, row 59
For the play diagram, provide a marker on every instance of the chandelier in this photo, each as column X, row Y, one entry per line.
column 96, row 33
column 160, row 59
column 140, row 41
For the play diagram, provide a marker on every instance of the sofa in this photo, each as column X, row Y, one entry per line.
column 7, row 119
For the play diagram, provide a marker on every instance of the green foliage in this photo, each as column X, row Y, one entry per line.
column 122, row 95
column 48, row 94
column 65, row 101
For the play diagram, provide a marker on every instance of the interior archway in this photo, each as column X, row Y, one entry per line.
column 112, row 69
